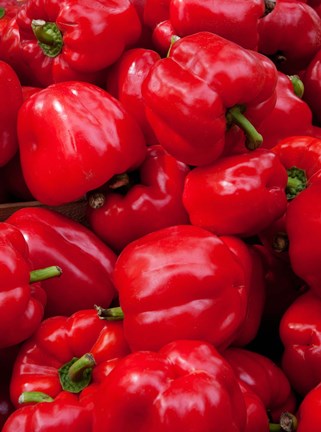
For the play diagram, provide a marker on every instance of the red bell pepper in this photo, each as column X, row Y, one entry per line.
column 63, row 414
column 312, row 87
column 187, row 385
column 265, row 378
column 308, row 414
column 291, row 114
column 241, row 194
column 79, row 129
column 282, row 287
column 22, row 300
column 45, row 363
column 304, row 243
column 151, row 204
column 11, row 100
column 300, row 332
column 237, row 21
column 257, row 419
column 254, row 270
column 70, row 40
column 301, row 156
column 10, row 50
column 86, row 261
column 163, row 36
column 124, row 82
column 290, row 35
column 191, row 97
column 181, row 282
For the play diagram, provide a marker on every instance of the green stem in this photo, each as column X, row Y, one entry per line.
column 45, row 273
column 298, row 86
column 253, row 138
column 49, row 37
column 297, row 182
column 288, row 423
column 2, row 12
column 77, row 369
column 110, row 314
column 174, row 39
column 79, row 377
column 34, row 397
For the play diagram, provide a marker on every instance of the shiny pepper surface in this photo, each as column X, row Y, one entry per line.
column 73, row 40
column 187, row 385
column 73, row 137
column 192, row 97
column 181, row 282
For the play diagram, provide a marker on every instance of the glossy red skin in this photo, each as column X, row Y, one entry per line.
column 94, row 36
column 300, row 332
column 187, row 94
column 57, row 341
column 180, row 282
column 154, row 203
column 304, row 244
column 265, row 378
column 10, row 49
column 22, row 305
column 248, row 189
column 312, row 88
column 308, row 414
column 124, row 82
column 11, row 101
column 87, row 263
column 76, row 128
column 185, row 386
column 64, row 414
column 254, row 270
column 303, row 152
column 162, row 37
column 287, row 23
column 236, row 22
column 290, row 116
column 256, row 416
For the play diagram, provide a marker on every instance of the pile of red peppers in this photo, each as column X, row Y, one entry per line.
column 189, row 299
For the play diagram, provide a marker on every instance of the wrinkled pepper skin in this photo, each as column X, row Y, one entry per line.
column 67, row 40
column 86, row 261
column 11, row 100
column 64, row 414
column 237, row 21
column 181, row 282
column 124, row 82
column 304, row 243
column 153, row 203
column 237, row 195
column 265, row 378
column 189, row 95
column 288, row 22
column 187, row 385
column 75, row 129
column 58, row 341
column 300, row 332
column 22, row 303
